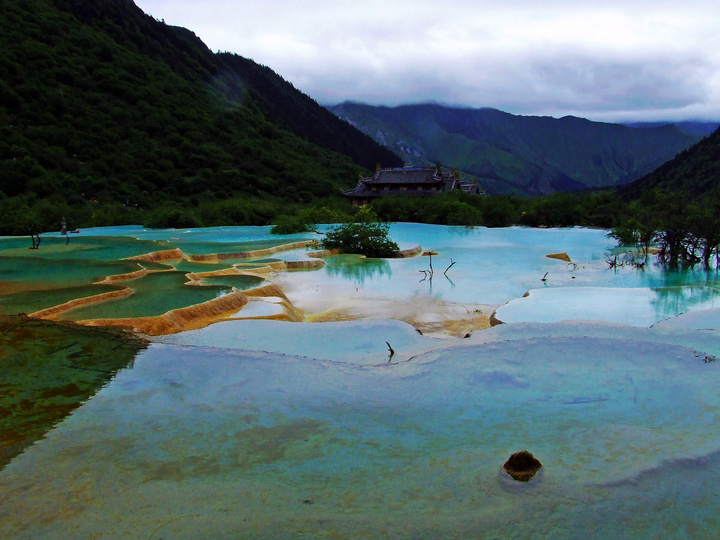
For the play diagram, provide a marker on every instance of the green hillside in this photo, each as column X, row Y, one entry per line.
column 695, row 172
column 107, row 114
column 521, row 154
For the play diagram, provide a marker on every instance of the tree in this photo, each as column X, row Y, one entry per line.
column 685, row 232
column 291, row 225
column 17, row 218
column 365, row 236
column 639, row 226
column 705, row 227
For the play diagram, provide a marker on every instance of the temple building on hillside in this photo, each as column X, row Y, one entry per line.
column 407, row 182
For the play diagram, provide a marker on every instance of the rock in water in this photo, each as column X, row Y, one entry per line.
column 522, row 466
column 559, row 256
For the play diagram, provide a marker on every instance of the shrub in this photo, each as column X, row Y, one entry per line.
column 366, row 236
column 171, row 218
column 291, row 225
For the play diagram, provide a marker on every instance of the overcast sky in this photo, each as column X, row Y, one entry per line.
column 610, row 60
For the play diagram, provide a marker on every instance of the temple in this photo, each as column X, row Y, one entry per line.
column 407, row 182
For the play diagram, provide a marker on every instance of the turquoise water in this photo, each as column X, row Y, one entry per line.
column 238, row 282
column 195, row 241
column 306, row 430
column 203, row 442
column 153, row 294
column 28, row 274
column 639, row 307
column 58, row 272
column 348, row 342
column 491, row 266
column 495, row 266
column 31, row 301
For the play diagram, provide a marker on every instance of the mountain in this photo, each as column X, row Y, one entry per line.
column 101, row 102
column 522, row 154
column 290, row 109
column 695, row 171
column 694, row 128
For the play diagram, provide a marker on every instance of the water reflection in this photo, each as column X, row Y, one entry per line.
column 357, row 269
column 671, row 301
column 48, row 370
column 633, row 306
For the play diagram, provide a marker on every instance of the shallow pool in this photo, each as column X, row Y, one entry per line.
column 367, row 428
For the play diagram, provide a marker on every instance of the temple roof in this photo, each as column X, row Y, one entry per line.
column 421, row 181
column 407, row 175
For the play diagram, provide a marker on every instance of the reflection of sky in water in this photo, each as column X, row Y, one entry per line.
column 640, row 307
column 353, row 342
column 195, row 442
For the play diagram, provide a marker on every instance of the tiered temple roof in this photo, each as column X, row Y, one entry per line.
column 406, row 182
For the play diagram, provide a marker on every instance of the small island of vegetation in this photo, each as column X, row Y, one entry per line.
column 365, row 235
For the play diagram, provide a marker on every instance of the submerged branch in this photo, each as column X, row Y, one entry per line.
column 392, row 351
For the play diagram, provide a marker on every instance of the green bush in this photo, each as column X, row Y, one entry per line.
column 17, row 218
column 171, row 218
column 365, row 236
column 291, row 225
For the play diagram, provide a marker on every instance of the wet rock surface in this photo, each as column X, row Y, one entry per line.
column 522, row 466
column 562, row 256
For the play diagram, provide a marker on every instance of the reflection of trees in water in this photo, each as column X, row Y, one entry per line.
column 671, row 301
column 463, row 231
column 48, row 370
column 357, row 269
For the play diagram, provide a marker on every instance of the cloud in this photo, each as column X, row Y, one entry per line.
column 608, row 59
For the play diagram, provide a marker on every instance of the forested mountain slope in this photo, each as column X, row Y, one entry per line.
column 695, row 171
column 521, row 154
column 100, row 102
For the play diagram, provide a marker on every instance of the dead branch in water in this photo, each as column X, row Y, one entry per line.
column 613, row 262
column 428, row 273
column 637, row 259
column 392, row 351
column 452, row 263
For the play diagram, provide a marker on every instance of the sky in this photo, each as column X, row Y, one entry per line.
column 606, row 60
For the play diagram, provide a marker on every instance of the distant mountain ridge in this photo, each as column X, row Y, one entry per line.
column 522, row 154
column 695, row 172
column 694, row 128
